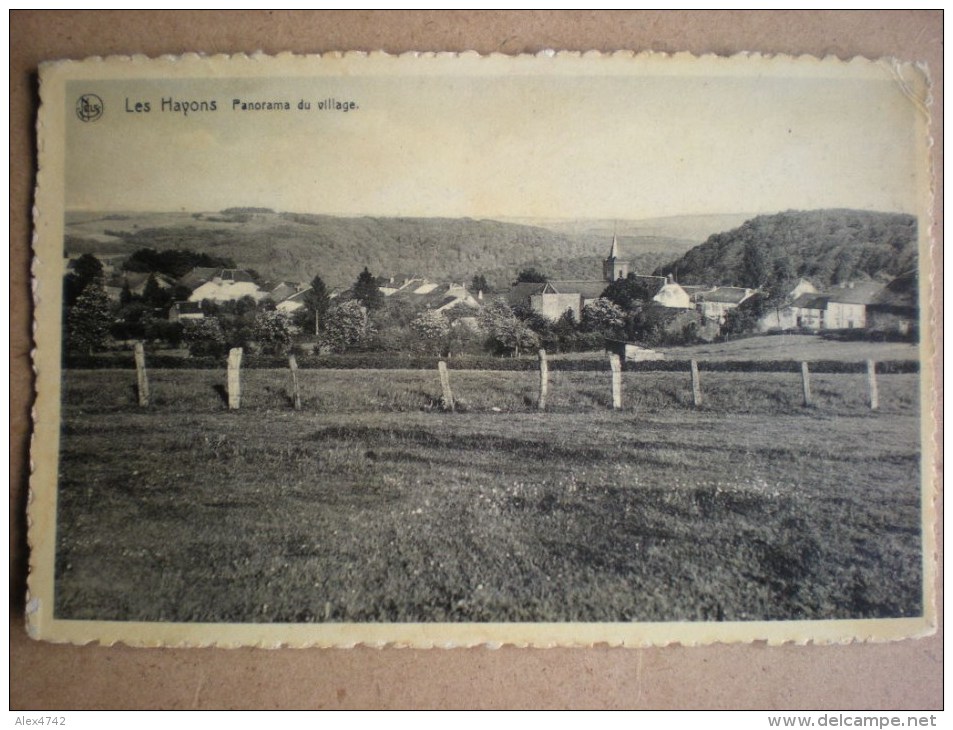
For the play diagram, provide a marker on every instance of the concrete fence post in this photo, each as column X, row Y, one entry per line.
column 234, row 378
column 616, row 365
column 696, row 384
column 142, row 380
column 445, row 385
column 872, row 385
column 295, row 394
column 543, row 379
column 806, row 383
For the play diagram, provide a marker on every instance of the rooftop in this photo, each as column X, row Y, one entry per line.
column 727, row 295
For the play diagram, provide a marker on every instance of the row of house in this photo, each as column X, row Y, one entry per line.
column 865, row 305
column 847, row 306
column 223, row 285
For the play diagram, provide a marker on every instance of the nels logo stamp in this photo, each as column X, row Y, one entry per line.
column 89, row 107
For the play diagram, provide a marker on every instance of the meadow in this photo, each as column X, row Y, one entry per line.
column 371, row 503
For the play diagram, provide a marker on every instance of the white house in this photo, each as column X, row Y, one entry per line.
column 784, row 315
column 227, row 285
column 294, row 303
column 714, row 304
column 841, row 308
column 672, row 295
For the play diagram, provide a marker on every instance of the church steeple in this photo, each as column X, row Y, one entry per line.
column 612, row 267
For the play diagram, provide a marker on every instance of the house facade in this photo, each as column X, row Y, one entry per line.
column 894, row 308
column 184, row 311
column 294, row 303
column 715, row 303
column 841, row 308
column 557, row 297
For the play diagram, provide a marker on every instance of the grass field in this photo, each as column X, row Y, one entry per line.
column 795, row 347
column 371, row 504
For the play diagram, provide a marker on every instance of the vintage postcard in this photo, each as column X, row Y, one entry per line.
column 449, row 350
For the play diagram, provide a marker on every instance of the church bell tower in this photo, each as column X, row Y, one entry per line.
column 613, row 268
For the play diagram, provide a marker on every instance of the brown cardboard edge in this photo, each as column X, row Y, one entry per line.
column 49, row 30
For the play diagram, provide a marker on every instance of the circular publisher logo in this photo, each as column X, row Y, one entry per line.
column 89, row 107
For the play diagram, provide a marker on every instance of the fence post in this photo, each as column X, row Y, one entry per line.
column 142, row 380
column 543, row 379
column 872, row 383
column 295, row 395
column 616, row 364
column 445, row 386
column 806, row 383
column 696, row 384
column 234, row 378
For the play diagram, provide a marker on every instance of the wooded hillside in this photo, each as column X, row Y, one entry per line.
column 825, row 246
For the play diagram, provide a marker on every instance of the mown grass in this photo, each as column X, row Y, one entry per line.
column 373, row 505
column 795, row 347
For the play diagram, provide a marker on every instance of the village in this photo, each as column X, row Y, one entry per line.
column 211, row 308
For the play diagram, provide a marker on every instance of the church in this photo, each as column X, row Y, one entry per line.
column 555, row 298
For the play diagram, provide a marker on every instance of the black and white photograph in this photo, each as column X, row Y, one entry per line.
column 455, row 350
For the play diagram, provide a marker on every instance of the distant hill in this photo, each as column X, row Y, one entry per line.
column 687, row 229
column 297, row 246
column 825, row 246
column 581, row 268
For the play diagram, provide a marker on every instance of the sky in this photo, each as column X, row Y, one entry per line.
column 595, row 145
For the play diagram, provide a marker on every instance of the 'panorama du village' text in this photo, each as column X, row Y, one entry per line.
column 186, row 107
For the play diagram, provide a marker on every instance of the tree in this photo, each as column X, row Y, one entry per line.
column 538, row 323
column 782, row 280
column 161, row 329
column 316, row 301
column 367, row 292
column 505, row 331
column 479, row 284
column 154, row 295
column 125, row 295
column 755, row 271
column 274, row 332
column 649, row 324
column 631, row 290
column 204, row 336
column 346, row 325
column 89, row 319
column 532, row 276
column 131, row 321
column 565, row 331
column 433, row 329
column 745, row 317
column 604, row 317
column 175, row 263
column 86, row 270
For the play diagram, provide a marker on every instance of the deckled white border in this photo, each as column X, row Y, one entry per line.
column 48, row 232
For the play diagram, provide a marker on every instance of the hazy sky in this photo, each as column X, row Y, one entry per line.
column 599, row 146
